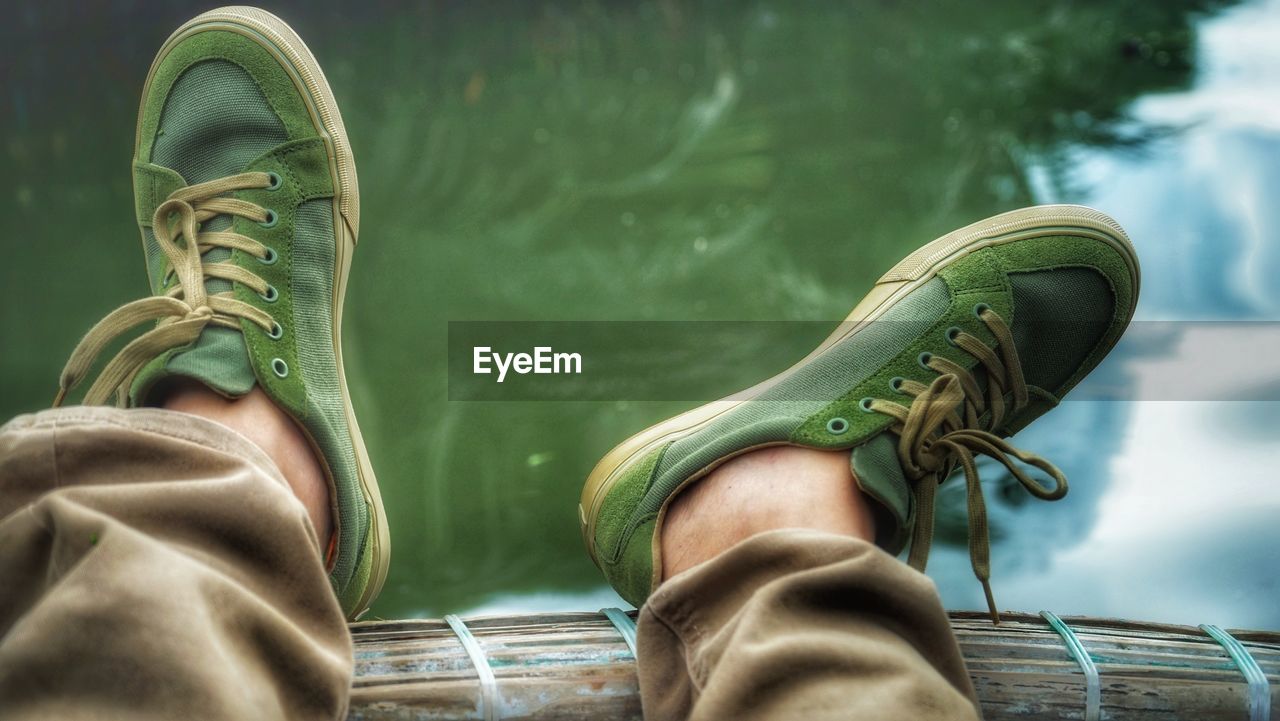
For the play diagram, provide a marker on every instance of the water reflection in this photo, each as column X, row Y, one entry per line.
column 664, row 161
column 1171, row 514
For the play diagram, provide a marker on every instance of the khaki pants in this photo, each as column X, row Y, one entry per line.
column 154, row 565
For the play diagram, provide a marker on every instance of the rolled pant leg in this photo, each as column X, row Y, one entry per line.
column 797, row 624
column 155, row 565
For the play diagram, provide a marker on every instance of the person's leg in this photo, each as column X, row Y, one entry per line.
column 162, row 565
column 965, row 341
column 248, row 205
column 757, row 492
column 158, row 566
column 776, row 604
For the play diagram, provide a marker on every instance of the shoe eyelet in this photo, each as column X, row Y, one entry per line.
column 271, row 295
column 951, row 334
column 276, row 180
column 979, row 308
column 864, row 405
column 276, row 331
column 895, row 384
column 271, row 257
column 279, row 367
column 837, row 426
column 272, row 219
column 923, row 359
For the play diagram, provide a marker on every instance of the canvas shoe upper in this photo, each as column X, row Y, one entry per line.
column 246, row 196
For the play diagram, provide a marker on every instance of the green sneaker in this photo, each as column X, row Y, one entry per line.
column 974, row 336
column 245, row 192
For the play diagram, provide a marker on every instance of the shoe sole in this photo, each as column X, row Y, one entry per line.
column 280, row 40
column 904, row 278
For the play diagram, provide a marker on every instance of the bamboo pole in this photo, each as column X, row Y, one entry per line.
column 576, row 666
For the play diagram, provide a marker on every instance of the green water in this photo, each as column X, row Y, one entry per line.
column 669, row 160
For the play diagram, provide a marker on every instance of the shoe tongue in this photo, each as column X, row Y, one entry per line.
column 218, row 359
column 878, row 473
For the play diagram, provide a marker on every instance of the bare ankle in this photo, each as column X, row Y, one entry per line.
column 763, row 490
column 261, row 421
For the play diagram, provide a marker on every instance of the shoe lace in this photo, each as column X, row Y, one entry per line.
column 186, row 309
column 951, row 420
